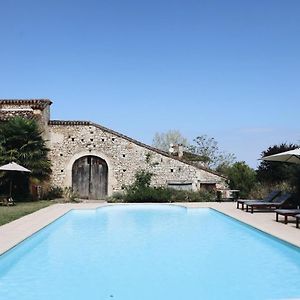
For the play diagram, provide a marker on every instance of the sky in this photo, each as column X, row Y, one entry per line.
column 229, row 69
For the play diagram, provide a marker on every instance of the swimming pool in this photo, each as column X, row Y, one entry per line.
column 160, row 252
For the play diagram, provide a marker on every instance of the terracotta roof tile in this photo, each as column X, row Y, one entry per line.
column 39, row 103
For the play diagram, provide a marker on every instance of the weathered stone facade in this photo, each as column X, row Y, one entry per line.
column 71, row 140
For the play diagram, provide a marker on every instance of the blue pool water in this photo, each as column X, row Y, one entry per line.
column 149, row 252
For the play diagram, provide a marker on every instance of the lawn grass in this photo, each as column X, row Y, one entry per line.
column 10, row 213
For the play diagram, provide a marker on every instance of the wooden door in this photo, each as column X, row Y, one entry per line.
column 89, row 177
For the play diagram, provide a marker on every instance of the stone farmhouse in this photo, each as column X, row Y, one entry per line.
column 97, row 161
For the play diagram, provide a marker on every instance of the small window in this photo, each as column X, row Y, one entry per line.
column 92, row 132
column 124, row 155
column 82, row 140
column 124, row 170
column 172, row 170
column 113, row 139
column 102, row 140
column 91, row 140
column 61, row 171
column 73, row 139
column 61, row 154
column 182, row 186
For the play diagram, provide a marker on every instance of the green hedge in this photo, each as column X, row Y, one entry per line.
column 161, row 195
column 140, row 191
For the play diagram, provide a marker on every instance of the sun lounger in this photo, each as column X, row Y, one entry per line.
column 271, row 196
column 278, row 202
column 286, row 213
column 297, row 220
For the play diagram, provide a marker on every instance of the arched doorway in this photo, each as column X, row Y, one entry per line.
column 89, row 177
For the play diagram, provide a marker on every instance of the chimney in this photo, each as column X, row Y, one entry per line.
column 176, row 150
column 172, row 149
column 180, row 151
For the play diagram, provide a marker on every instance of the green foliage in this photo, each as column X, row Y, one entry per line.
column 190, row 196
column 8, row 214
column 54, row 192
column 142, row 180
column 271, row 172
column 162, row 195
column 241, row 177
column 117, row 197
column 260, row 190
column 69, row 195
column 21, row 141
column 141, row 191
column 148, row 194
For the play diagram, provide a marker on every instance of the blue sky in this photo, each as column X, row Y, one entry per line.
column 229, row 69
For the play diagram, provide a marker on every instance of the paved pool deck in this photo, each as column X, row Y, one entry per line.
column 13, row 233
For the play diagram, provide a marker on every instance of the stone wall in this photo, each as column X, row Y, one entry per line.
column 124, row 156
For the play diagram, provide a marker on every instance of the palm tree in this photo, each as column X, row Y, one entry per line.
column 21, row 141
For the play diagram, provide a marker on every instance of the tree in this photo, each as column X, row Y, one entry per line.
column 272, row 172
column 241, row 177
column 21, row 141
column 208, row 150
column 162, row 141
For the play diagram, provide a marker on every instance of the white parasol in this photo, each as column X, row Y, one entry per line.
column 291, row 156
column 13, row 167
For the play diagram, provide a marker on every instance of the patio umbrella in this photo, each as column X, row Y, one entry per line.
column 13, row 167
column 291, row 156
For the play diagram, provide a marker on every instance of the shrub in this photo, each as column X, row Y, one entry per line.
column 271, row 172
column 142, row 180
column 69, row 195
column 117, row 197
column 190, row 196
column 241, row 177
column 260, row 190
column 141, row 191
column 54, row 192
column 161, row 195
column 148, row 194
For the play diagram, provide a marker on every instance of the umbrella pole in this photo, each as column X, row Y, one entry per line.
column 10, row 187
